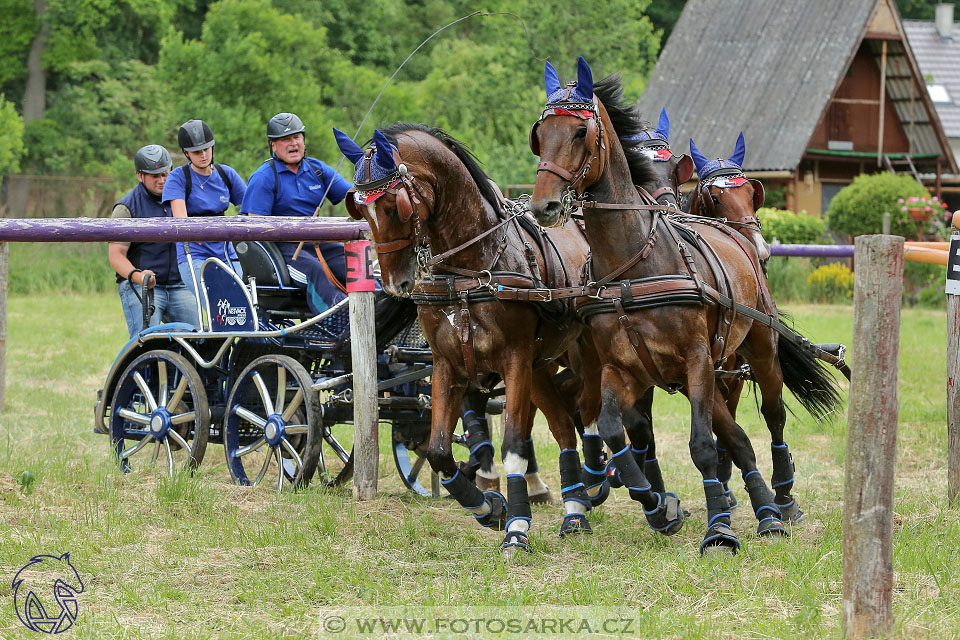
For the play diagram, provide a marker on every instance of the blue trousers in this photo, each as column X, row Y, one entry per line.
column 306, row 271
column 174, row 303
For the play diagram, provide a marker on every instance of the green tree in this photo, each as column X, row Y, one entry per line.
column 859, row 207
column 11, row 138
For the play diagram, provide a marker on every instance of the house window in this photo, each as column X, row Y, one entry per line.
column 938, row 93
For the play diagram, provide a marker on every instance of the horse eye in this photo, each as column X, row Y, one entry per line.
column 581, row 133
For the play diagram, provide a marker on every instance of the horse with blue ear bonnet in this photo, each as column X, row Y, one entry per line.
column 669, row 170
column 478, row 272
column 663, row 288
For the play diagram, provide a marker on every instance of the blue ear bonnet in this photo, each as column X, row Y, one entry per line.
column 707, row 169
column 380, row 165
column 661, row 133
column 582, row 91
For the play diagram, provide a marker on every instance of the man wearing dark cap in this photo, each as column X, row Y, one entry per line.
column 152, row 262
column 292, row 184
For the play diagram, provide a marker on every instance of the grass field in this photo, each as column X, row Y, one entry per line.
column 196, row 557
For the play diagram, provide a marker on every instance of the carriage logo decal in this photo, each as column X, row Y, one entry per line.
column 228, row 315
column 45, row 593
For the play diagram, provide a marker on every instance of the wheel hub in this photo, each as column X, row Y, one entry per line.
column 273, row 430
column 160, row 423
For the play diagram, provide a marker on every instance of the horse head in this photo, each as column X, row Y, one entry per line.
column 723, row 191
column 45, row 593
column 386, row 196
column 571, row 138
column 669, row 170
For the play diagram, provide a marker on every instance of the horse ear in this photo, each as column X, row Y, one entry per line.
column 698, row 158
column 584, row 79
column 535, row 140
column 550, row 79
column 684, row 169
column 352, row 207
column 348, row 147
column 739, row 151
column 663, row 127
column 66, row 556
column 384, row 151
column 758, row 194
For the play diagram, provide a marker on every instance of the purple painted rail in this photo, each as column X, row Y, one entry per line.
column 812, row 250
column 235, row 228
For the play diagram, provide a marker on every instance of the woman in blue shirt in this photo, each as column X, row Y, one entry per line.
column 202, row 188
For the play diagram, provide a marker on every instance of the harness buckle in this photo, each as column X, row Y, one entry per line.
column 542, row 295
column 489, row 283
column 597, row 295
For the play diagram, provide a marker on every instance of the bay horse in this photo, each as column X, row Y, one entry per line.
column 668, row 308
column 483, row 278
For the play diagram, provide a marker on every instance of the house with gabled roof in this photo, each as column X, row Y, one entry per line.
column 822, row 90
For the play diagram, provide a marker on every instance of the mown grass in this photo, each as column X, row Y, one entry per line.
column 196, row 557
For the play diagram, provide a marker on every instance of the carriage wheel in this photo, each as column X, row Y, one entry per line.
column 336, row 466
column 160, row 412
column 271, row 424
column 412, row 466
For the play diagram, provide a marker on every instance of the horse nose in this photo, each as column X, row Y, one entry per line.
column 400, row 289
column 546, row 212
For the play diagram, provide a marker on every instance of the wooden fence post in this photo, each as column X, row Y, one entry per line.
column 872, row 438
column 953, row 370
column 363, row 347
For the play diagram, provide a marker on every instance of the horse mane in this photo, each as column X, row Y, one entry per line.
column 626, row 122
column 480, row 178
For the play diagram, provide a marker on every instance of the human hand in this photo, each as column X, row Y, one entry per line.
column 143, row 276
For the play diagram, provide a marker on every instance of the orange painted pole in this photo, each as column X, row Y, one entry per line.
column 924, row 254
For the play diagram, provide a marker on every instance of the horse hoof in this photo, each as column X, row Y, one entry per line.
column 488, row 484
column 574, row 523
column 602, row 494
column 668, row 517
column 497, row 518
column 772, row 527
column 542, row 498
column 515, row 541
column 790, row 512
column 719, row 539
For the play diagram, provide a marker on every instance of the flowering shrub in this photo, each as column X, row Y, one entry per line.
column 831, row 283
column 927, row 203
column 859, row 206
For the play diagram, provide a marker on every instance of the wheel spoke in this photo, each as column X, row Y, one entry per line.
column 264, row 393
column 263, row 469
column 166, row 443
column 133, row 416
column 293, row 453
column 281, row 387
column 140, row 445
column 250, row 416
column 294, row 429
column 416, row 466
column 180, row 441
column 156, row 454
column 190, row 416
column 177, row 394
column 145, row 390
column 295, row 403
column 341, row 453
column 239, row 453
column 276, row 454
column 162, row 382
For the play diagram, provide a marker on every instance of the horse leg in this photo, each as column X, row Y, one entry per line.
column 478, row 439
column 639, row 424
column 537, row 490
column 662, row 510
column 576, row 502
column 761, row 498
column 700, row 391
column 518, row 381
column 770, row 381
column 489, row 508
column 732, row 388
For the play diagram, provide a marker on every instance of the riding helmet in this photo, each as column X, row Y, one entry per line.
column 195, row 135
column 152, row 159
column 284, row 124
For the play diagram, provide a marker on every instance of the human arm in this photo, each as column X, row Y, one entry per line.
column 117, row 254
column 258, row 195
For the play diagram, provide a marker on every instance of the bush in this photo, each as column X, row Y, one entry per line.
column 787, row 227
column 859, row 207
column 787, row 278
column 831, row 283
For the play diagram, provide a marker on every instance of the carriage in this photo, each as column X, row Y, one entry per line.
column 268, row 380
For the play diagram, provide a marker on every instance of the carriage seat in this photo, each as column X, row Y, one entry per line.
column 276, row 290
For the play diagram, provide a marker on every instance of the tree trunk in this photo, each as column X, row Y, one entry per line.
column 35, row 94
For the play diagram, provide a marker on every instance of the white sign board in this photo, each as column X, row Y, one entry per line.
column 953, row 266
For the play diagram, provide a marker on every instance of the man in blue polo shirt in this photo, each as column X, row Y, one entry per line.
column 292, row 184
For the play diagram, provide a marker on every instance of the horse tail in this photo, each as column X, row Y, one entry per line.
column 808, row 378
